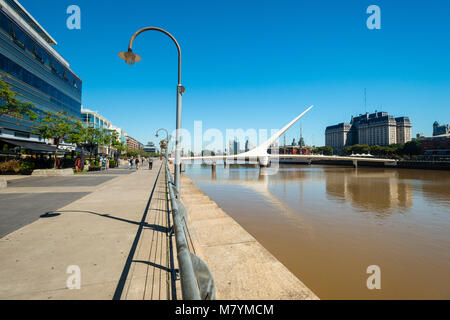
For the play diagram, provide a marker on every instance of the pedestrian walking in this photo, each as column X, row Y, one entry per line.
column 150, row 164
column 137, row 163
column 131, row 163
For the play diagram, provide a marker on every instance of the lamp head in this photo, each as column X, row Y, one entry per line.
column 129, row 57
column 157, row 135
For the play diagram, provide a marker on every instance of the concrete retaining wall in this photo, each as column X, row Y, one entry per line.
column 241, row 266
column 53, row 172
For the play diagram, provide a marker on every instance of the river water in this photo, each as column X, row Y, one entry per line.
column 327, row 224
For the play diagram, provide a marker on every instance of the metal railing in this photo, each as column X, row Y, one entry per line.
column 197, row 282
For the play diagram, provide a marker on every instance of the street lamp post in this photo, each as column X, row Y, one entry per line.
column 130, row 58
column 167, row 141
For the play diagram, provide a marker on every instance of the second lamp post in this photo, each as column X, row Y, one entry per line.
column 167, row 141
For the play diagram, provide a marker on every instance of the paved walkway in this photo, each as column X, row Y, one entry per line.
column 28, row 197
column 149, row 274
column 115, row 235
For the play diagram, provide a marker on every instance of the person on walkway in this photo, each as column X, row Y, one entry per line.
column 150, row 164
column 137, row 163
column 131, row 163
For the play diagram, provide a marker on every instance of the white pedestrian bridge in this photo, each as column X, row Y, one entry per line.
column 261, row 155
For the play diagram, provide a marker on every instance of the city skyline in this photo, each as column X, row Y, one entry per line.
column 272, row 62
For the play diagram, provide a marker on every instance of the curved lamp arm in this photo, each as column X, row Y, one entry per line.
column 167, row 134
column 130, row 46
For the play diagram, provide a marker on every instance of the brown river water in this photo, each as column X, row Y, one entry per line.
column 327, row 224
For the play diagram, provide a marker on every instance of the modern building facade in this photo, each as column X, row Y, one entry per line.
column 121, row 134
column 440, row 129
column 134, row 144
column 377, row 128
column 32, row 67
column 150, row 147
column 95, row 120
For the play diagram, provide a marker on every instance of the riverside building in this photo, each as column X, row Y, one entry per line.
column 134, row 144
column 32, row 67
column 95, row 120
column 377, row 128
column 150, row 147
column 440, row 129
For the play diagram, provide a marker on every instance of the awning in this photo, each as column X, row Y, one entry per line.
column 30, row 145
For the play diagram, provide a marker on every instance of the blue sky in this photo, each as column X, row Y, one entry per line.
column 257, row 64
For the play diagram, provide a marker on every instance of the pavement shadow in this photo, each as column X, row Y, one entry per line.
column 105, row 215
column 153, row 265
column 49, row 215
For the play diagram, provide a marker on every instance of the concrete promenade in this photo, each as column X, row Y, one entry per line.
column 241, row 266
column 113, row 233
column 149, row 277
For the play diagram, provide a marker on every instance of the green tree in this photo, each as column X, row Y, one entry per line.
column 377, row 150
column 325, row 150
column 132, row 153
column 395, row 151
column 93, row 137
column 413, row 147
column 78, row 137
column 116, row 143
column 78, row 134
column 106, row 137
column 357, row 148
column 12, row 107
column 57, row 126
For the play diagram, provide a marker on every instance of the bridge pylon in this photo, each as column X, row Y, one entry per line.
column 263, row 161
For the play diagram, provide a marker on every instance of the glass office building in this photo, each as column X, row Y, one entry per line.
column 33, row 68
column 94, row 120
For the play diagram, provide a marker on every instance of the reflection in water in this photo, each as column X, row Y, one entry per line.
column 257, row 180
column 378, row 190
column 327, row 224
column 213, row 172
column 372, row 191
